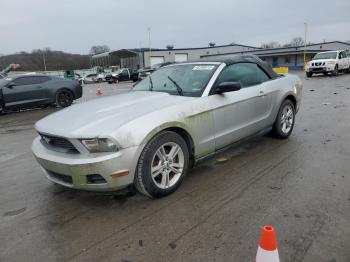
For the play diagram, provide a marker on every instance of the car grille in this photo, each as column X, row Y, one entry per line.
column 318, row 63
column 59, row 144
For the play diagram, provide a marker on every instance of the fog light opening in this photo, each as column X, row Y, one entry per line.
column 95, row 179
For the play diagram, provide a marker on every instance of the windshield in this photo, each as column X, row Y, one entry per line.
column 328, row 55
column 191, row 78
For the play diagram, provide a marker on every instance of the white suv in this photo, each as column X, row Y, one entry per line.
column 328, row 62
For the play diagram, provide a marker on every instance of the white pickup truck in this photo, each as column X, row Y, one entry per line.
column 328, row 62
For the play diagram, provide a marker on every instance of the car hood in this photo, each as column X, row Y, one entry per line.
column 321, row 60
column 99, row 117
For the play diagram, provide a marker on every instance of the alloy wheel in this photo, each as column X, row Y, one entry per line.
column 65, row 98
column 167, row 165
column 287, row 119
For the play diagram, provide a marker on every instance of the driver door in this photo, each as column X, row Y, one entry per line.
column 24, row 90
column 124, row 75
column 241, row 113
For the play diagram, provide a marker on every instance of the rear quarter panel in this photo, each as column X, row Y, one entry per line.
column 56, row 84
column 280, row 89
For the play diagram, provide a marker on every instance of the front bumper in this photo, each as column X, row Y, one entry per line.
column 321, row 69
column 75, row 170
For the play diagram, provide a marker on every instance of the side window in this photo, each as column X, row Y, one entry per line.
column 44, row 79
column 344, row 54
column 28, row 80
column 248, row 74
column 262, row 76
column 22, row 81
column 339, row 55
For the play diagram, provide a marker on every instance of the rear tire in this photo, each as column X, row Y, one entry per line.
column 284, row 123
column 64, row 98
column 162, row 165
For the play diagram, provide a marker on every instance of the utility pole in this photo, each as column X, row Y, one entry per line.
column 305, row 45
column 149, row 43
column 44, row 59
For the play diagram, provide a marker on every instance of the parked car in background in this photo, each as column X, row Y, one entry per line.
column 144, row 72
column 88, row 79
column 151, row 136
column 123, row 74
column 26, row 91
column 328, row 62
column 101, row 77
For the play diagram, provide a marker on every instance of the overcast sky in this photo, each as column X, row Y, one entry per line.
column 76, row 25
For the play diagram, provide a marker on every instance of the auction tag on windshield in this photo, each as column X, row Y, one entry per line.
column 203, row 67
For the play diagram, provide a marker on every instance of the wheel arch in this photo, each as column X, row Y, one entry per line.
column 177, row 127
column 292, row 99
column 188, row 139
column 66, row 89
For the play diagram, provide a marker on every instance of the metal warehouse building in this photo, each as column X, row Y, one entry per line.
column 292, row 57
column 144, row 57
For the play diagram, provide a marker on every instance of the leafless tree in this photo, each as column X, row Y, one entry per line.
column 98, row 49
column 272, row 44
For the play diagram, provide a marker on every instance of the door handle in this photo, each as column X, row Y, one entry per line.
column 261, row 93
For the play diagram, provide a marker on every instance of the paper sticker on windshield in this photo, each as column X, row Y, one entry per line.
column 8, row 79
column 203, row 67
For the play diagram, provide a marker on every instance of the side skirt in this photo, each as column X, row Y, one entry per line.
column 233, row 145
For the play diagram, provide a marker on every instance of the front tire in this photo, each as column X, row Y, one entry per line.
column 64, row 98
column 308, row 74
column 335, row 71
column 284, row 123
column 162, row 166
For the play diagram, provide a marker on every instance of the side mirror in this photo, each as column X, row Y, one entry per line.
column 11, row 85
column 225, row 87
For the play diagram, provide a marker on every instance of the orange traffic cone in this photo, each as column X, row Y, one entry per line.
column 98, row 91
column 267, row 249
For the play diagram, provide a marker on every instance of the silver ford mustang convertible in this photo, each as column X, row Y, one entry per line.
column 151, row 136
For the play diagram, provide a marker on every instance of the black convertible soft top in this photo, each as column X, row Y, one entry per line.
column 233, row 59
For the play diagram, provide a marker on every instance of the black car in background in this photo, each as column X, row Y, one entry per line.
column 123, row 74
column 144, row 72
column 26, row 91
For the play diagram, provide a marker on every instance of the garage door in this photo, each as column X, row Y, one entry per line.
column 157, row 60
column 181, row 57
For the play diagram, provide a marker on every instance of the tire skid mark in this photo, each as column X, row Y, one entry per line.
column 166, row 205
column 232, row 197
column 303, row 244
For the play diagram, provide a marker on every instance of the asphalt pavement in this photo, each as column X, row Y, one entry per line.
column 301, row 186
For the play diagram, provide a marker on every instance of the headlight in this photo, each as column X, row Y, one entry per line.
column 96, row 145
column 331, row 62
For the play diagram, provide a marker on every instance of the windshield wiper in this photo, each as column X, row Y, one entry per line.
column 150, row 84
column 178, row 88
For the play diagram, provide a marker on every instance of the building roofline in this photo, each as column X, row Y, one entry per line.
column 205, row 47
column 174, row 49
column 302, row 46
column 273, row 50
column 257, row 49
